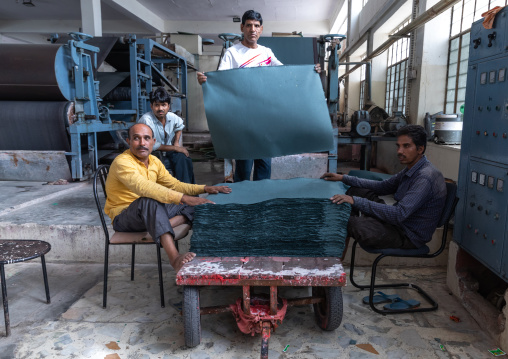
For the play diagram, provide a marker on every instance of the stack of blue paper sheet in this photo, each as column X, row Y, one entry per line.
column 273, row 218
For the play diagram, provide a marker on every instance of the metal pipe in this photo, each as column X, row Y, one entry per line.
column 421, row 20
column 367, row 74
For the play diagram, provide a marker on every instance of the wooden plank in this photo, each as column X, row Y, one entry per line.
column 322, row 271
column 261, row 268
column 263, row 271
column 210, row 271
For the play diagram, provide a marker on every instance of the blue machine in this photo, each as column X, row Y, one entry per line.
column 52, row 98
column 481, row 216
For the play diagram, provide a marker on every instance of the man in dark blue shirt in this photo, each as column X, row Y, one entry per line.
column 419, row 191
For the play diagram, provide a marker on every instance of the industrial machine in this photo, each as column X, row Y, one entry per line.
column 481, row 216
column 55, row 99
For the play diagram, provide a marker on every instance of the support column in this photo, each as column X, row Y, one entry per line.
column 91, row 17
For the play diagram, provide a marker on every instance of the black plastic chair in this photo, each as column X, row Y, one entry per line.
column 128, row 238
column 423, row 252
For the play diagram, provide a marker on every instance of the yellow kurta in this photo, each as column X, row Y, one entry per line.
column 129, row 179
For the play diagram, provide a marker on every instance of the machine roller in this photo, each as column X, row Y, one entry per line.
column 51, row 99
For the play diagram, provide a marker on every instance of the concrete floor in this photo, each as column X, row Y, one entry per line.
column 75, row 325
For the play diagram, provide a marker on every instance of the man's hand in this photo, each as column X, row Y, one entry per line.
column 335, row 177
column 194, row 201
column 217, row 189
column 181, row 150
column 317, row 68
column 201, row 77
column 342, row 198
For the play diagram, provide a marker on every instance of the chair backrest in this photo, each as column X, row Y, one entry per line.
column 450, row 203
column 446, row 215
column 101, row 175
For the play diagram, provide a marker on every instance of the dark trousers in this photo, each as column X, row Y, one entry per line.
column 262, row 169
column 180, row 166
column 146, row 214
column 372, row 232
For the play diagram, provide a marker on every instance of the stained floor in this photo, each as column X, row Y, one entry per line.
column 134, row 326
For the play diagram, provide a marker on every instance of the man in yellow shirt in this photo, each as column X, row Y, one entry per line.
column 143, row 196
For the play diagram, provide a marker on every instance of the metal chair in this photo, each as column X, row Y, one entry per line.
column 423, row 252
column 128, row 238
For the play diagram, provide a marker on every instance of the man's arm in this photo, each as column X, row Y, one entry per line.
column 413, row 200
column 226, row 63
column 130, row 177
column 176, row 146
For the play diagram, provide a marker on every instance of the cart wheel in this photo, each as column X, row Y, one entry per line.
column 191, row 316
column 329, row 312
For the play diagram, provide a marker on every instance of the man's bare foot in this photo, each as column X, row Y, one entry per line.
column 179, row 261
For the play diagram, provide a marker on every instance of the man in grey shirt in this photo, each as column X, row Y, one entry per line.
column 167, row 128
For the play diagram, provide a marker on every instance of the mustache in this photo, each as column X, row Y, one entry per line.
column 141, row 148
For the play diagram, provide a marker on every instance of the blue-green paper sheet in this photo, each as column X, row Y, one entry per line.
column 272, row 218
column 267, row 112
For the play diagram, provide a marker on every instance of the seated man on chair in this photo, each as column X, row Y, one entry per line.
column 419, row 191
column 167, row 128
column 143, row 196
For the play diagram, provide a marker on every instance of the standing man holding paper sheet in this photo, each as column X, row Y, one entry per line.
column 248, row 53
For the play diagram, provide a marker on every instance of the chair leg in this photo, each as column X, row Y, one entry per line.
column 352, row 268
column 45, row 275
column 132, row 261
column 105, row 289
column 373, row 287
column 161, row 283
column 4, row 298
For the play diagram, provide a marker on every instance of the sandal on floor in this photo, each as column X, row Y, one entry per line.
column 381, row 298
column 402, row 305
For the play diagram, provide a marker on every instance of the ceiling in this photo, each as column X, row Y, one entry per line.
column 222, row 10
column 175, row 15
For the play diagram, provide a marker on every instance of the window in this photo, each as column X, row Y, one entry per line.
column 463, row 15
column 457, row 73
column 396, row 74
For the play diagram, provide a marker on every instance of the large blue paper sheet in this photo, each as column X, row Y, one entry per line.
column 267, row 112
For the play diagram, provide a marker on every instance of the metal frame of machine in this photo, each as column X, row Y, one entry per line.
column 75, row 79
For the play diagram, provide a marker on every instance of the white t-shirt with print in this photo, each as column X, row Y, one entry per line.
column 239, row 56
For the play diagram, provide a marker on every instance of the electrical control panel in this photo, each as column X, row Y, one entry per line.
column 482, row 212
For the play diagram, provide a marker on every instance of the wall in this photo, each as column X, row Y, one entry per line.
column 430, row 62
column 197, row 117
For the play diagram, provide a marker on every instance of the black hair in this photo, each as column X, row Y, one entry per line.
column 130, row 134
column 417, row 133
column 252, row 15
column 160, row 95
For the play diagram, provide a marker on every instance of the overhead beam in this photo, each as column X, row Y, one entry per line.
column 64, row 26
column 308, row 28
column 91, row 17
column 134, row 10
column 421, row 20
column 335, row 21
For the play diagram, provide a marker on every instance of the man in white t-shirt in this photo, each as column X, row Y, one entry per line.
column 248, row 53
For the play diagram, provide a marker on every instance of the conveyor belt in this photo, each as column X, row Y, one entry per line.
column 34, row 125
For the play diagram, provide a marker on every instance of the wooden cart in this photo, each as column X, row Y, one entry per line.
column 325, row 275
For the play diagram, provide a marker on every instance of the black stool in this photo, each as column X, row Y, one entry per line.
column 13, row 251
